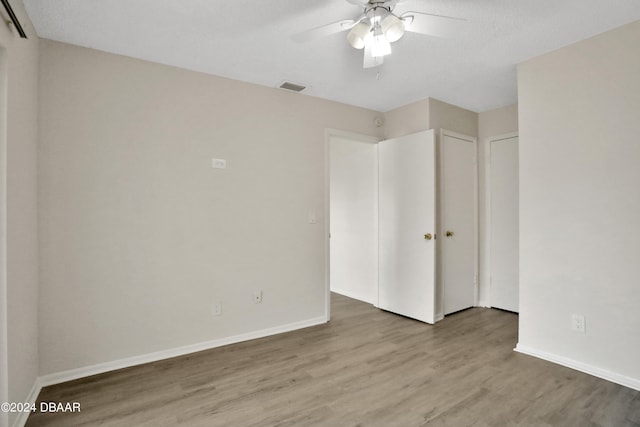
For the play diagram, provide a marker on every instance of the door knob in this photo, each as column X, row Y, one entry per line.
column 428, row 236
column 449, row 233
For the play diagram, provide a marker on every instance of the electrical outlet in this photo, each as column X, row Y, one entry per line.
column 216, row 308
column 218, row 163
column 577, row 323
column 257, row 296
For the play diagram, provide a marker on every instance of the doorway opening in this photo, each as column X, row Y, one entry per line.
column 353, row 215
column 381, row 210
column 503, row 224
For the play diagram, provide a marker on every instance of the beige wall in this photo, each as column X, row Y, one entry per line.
column 490, row 123
column 580, row 204
column 451, row 117
column 406, row 120
column 139, row 235
column 427, row 114
column 498, row 122
column 18, row 212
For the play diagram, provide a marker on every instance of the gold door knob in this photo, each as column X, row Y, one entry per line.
column 428, row 236
column 449, row 233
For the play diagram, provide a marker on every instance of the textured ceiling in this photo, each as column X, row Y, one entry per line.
column 250, row 40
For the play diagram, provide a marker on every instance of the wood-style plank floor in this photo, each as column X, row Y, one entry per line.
column 365, row 368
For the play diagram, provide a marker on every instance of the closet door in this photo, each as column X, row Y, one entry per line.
column 407, row 181
column 458, row 172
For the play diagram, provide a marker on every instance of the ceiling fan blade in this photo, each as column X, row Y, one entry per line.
column 371, row 61
column 362, row 3
column 432, row 25
column 324, row 30
column 384, row 3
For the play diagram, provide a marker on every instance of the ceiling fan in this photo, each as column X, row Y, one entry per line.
column 379, row 26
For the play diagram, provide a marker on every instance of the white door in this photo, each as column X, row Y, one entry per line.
column 458, row 220
column 407, row 225
column 504, row 222
column 353, row 216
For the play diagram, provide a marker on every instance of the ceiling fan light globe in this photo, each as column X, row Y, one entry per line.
column 358, row 34
column 380, row 46
column 392, row 27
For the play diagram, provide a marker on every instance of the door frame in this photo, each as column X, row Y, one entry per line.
column 328, row 134
column 488, row 223
column 4, row 326
column 441, row 215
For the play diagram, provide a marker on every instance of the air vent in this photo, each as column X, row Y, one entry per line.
column 14, row 18
column 292, row 87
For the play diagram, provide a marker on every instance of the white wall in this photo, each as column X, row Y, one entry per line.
column 580, row 204
column 139, row 236
column 18, row 201
column 490, row 123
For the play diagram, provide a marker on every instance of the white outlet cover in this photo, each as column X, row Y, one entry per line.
column 578, row 323
column 218, row 163
column 257, row 297
column 216, row 309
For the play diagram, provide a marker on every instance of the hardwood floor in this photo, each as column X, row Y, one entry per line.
column 365, row 368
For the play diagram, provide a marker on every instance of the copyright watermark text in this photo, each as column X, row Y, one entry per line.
column 40, row 407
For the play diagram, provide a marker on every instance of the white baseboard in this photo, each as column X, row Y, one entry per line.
column 21, row 420
column 633, row 383
column 73, row 374
column 352, row 295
